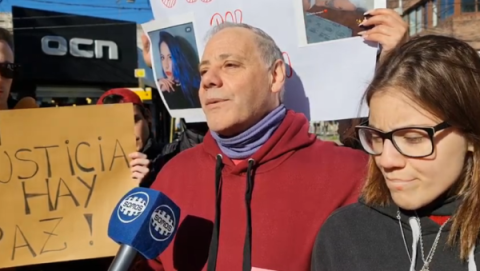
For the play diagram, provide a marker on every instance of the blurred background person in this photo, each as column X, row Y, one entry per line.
column 147, row 160
column 8, row 70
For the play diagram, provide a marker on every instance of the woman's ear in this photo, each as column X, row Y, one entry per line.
column 470, row 147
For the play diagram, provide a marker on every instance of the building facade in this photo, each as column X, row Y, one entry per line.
column 6, row 20
column 455, row 18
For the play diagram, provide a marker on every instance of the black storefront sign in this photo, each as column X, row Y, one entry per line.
column 60, row 48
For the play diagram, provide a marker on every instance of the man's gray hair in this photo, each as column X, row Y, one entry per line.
column 267, row 46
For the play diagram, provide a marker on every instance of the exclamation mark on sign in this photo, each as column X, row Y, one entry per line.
column 89, row 218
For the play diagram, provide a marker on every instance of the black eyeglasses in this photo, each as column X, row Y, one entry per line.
column 8, row 70
column 415, row 142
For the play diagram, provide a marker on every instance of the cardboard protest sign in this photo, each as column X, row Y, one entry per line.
column 62, row 171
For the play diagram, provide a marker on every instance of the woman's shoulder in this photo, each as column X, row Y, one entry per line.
column 342, row 218
column 347, row 213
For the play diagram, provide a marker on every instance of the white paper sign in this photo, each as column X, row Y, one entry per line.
column 329, row 66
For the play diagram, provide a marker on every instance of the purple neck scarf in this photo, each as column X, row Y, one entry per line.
column 247, row 143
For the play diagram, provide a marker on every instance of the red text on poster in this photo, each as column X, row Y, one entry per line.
column 233, row 17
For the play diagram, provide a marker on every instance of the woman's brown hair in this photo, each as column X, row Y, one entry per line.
column 441, row 74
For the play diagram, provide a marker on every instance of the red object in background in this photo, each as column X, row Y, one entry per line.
column 169, row 3
column 234, row 17
column 191, row 1
column 289, row 71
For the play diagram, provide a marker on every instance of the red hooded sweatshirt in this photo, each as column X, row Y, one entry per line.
column 294, row 181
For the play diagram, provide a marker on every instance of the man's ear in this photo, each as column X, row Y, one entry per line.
column 278, row 76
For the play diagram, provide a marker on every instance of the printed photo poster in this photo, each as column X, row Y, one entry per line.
column 328, row 66
column 326, row 20
column 175, row 61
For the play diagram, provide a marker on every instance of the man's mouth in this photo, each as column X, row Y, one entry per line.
column 214, row 101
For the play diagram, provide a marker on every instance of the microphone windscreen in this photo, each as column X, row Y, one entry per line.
column 146, row 220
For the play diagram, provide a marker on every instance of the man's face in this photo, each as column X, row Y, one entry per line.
column 142, row 132
column 237, row 87
column 6, row 55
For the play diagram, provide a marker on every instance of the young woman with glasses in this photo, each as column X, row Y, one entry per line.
column 420, row 205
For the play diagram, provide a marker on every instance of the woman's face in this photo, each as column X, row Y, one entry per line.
column 415, row 182
column 166, row 58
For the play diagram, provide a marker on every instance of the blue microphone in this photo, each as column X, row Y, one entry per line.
column 144, row 221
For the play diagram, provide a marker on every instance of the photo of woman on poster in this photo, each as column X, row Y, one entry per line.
column 178, row 80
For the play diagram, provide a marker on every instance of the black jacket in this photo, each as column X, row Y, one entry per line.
column 361, row 238
column 153, row 150
column 159, row 154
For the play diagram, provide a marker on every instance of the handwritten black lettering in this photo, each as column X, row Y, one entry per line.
column 82, row 168
column 35, row 171
column 52, row 233
column 28, row 196
column 70, row 163
column 115, row 156
column 27, row 244
column 89, row 187
column 1, row 234
column 10, row 166
column 89, row 219
column 101, row 153
column 69, row 194
column 47, row 157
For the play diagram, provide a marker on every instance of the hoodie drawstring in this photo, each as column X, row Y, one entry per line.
column 247, row 248
column 472, row 266
column 416, row 237
column 213, row 251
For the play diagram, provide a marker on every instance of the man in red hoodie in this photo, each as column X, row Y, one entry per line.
column 254, row 194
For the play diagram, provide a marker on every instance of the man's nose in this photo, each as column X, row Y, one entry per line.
column 391, row 158
column 211, row 79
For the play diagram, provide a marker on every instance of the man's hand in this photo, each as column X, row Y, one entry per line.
column 139, row 166
column 389, row 29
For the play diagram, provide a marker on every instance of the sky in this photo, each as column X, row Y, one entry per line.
column 138, row 12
